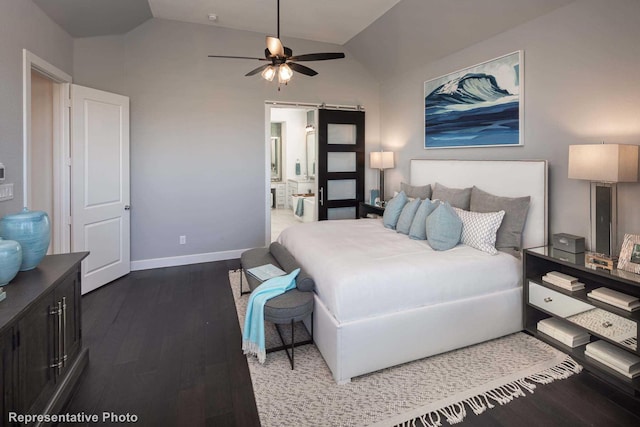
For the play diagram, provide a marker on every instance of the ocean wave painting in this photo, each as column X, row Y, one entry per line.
column 476, row 107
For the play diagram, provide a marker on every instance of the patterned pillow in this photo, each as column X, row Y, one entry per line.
column 479, row 229
column 393, row 210
column 406, row 216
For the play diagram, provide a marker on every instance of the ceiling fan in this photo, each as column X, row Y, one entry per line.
column 281, row 60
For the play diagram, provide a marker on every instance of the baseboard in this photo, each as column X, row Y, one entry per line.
column 147, row 264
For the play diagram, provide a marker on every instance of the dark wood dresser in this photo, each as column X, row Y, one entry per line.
column 41, row 352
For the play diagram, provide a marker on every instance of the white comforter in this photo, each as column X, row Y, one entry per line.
column 362, row 269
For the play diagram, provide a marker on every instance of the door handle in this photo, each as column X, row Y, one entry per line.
column 57, row 312
column 321, row 196
column 127, row 207
column 64, row 331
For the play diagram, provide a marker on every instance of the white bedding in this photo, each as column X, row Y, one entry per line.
column 363, row 270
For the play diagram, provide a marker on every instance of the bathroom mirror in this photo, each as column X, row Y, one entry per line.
column 311, row 154
column 276, row 159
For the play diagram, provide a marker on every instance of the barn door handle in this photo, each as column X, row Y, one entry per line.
column 321, row 196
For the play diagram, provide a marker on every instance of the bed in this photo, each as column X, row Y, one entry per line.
column 382, row 299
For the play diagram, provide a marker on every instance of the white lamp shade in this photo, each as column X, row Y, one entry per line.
column 382, row 159
column 604, row 162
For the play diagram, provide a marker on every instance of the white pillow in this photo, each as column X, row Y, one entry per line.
column 479, row 229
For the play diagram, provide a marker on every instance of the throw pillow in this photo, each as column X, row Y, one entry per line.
column 393, row 209
column 416, row 191
column 418, row 230
column 479, row 229
column 457, row 197
column 406, row 216
column 509, row 236
column 444, row 228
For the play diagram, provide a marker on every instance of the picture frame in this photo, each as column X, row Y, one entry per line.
column 374, row 197
column 478, row 106
column 629, row 259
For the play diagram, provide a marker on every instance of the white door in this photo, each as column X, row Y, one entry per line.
column 100, row 184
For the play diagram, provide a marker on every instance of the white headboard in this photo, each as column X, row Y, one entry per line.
column 507, row 178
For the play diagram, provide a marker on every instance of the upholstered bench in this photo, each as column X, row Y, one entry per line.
column 294, row 305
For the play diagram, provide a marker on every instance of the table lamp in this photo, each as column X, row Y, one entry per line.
column 604, row 165
column 382, row 160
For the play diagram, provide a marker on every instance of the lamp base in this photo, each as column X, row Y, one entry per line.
column 604, row 218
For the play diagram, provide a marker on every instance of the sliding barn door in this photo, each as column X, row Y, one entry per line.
column 100, row 184
column 340, row 163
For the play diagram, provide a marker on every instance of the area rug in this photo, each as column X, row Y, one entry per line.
column 426, row 392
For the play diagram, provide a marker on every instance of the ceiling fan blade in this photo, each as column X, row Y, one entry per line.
column 236, row 57
column 302, row 69
column 317, row 56
column 257, row 70
column 275, row 46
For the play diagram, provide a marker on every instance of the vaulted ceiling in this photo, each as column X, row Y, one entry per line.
column 384, row 35
column 332, row 21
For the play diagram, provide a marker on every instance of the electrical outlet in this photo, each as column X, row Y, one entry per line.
column 183, row 240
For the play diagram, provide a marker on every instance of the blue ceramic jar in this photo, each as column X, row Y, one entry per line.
column 32, row 230
column 10, row 260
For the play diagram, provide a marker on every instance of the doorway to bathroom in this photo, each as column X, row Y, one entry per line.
column 291, row 165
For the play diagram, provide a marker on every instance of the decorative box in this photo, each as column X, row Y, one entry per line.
column 568, row 243
column 577, row 258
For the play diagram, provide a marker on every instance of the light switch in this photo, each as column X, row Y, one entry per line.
column 6, row 192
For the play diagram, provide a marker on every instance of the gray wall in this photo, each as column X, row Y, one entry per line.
column 198, row 128
column 23, row 26
column 581, row 86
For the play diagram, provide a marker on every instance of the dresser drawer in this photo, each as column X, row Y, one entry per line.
column 555, row 302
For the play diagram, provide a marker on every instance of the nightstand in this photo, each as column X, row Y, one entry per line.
column 542, row 300
column 365, row 209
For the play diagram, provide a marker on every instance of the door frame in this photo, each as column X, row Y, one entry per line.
column 61, row 149
column 269, row 105
column 267, row 147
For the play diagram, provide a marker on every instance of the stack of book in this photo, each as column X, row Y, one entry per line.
column 615, row 358
column 563, row 281
column 567, row 334
column 615, row 298
column 3, row 294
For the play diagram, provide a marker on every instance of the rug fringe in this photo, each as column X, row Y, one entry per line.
column 504, row 394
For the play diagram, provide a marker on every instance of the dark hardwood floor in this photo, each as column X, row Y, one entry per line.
column 165, row 346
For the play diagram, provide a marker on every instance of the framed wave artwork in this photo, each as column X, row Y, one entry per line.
column 479, row 106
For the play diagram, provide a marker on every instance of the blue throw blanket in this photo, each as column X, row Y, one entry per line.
column 253, row 334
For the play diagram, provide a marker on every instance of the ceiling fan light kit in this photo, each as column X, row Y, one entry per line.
column 269, row 73
column 282, row 60
column 284, row 74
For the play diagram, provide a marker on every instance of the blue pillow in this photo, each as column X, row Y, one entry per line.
column 444, row 228
column 393, row 210
column 406, row 216
column 418, row 230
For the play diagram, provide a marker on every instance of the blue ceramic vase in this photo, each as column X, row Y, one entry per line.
column 10, row 260
column 32, row 230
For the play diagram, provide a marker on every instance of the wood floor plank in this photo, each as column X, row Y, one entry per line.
column 165, row 344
